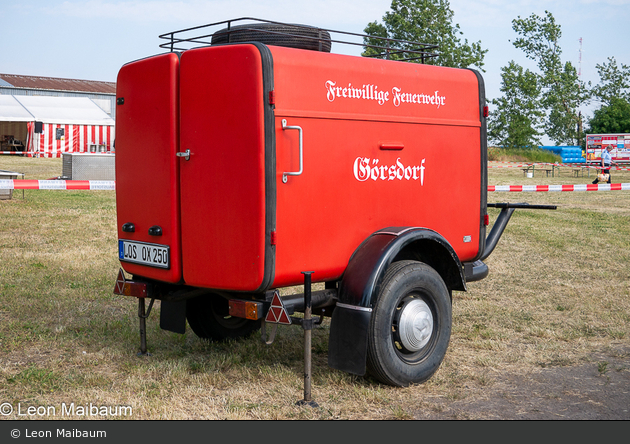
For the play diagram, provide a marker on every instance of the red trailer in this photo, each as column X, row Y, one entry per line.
column 245, row 162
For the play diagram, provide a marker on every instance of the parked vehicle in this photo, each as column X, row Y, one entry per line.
column 253, row 158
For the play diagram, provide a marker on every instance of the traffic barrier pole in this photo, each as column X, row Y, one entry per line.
column 8, row 184
column 560, row 188
column 111, row 185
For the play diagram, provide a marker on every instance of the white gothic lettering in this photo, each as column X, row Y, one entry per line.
column 365, row 169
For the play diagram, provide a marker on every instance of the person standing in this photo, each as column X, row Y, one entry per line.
column 606, row 162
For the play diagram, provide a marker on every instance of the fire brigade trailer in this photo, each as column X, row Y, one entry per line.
column 259, row 160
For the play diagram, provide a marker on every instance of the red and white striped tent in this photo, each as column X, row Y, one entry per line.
column 49, row 126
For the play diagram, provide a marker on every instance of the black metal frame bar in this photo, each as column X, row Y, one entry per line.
column 176, row 39
column 504, row 217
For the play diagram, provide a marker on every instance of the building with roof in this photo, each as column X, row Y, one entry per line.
column 101, row 93
column 44, row 116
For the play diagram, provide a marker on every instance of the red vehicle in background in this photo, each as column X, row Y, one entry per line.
column 253, row 158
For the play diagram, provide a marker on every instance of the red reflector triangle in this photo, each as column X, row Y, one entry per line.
column 272, row 315
column 120, row 282
column 277, row 313
column 284, row 318
column 277, row 302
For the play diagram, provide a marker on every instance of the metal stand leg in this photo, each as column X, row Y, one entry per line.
column 143, row 325
column 307, row 325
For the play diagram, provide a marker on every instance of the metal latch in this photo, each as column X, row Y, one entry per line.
column 185, row 154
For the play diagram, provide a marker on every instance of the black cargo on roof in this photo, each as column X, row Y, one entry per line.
column 290, row 35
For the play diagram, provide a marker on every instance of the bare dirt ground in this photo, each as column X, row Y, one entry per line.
column 596, row 391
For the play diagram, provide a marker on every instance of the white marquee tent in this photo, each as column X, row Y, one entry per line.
column 48, row 126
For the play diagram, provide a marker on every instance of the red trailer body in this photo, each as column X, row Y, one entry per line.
column 384, row 144
column 240, row 166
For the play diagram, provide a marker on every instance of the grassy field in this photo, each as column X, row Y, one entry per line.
column 557, row 294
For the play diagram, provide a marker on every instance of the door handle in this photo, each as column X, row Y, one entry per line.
column 294, row 173
column 185, row 154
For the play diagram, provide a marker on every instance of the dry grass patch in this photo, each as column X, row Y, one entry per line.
column 556, row 296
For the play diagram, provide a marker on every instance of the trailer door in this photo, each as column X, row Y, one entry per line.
column 225, row 142
column 147, row 176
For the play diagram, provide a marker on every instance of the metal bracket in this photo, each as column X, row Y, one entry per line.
column 272, row 335
column 307, row 324
column 294, row 173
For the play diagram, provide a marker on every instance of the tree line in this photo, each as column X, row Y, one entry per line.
column 534, row 102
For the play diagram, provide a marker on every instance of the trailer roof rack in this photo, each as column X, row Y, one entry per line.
column 188, row 38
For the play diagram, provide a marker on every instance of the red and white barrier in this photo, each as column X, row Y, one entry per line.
column 597, row 166
column 556, row 188
column 558, row 165
column 111, row 185
column 520, row 165
column 57, row 185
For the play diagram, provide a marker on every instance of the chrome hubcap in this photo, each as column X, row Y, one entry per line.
column 415, row 325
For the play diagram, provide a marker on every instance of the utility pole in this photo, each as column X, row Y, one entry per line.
column 579, row 122
column 580, row 60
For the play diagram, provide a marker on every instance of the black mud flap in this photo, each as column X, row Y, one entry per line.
column 347, row 343
column 173, row 316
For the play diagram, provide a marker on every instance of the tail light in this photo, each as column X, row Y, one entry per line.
column 129, row 288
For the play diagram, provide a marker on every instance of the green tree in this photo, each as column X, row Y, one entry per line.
column 518, row 118
column 562, row 91
column 614, row 81
column 611, row 118
column 563, row 98
column 426, row 21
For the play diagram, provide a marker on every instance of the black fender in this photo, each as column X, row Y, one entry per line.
column 360, row 285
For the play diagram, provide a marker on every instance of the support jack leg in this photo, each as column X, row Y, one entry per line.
column 142, row 316
column 307, row 325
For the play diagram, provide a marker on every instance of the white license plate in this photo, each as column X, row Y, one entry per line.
column 153, row 255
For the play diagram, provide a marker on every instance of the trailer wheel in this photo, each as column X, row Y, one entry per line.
column 208, row 316
column 292, row 36
column 410, row 326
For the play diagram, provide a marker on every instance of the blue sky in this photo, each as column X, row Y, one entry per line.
column 92, row 39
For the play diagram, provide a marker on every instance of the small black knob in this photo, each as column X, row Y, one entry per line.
column 155, row 230
column 129, row 227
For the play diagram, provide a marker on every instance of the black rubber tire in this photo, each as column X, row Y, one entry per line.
column 209, row 318
column 302, row 37
column 388, row 360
